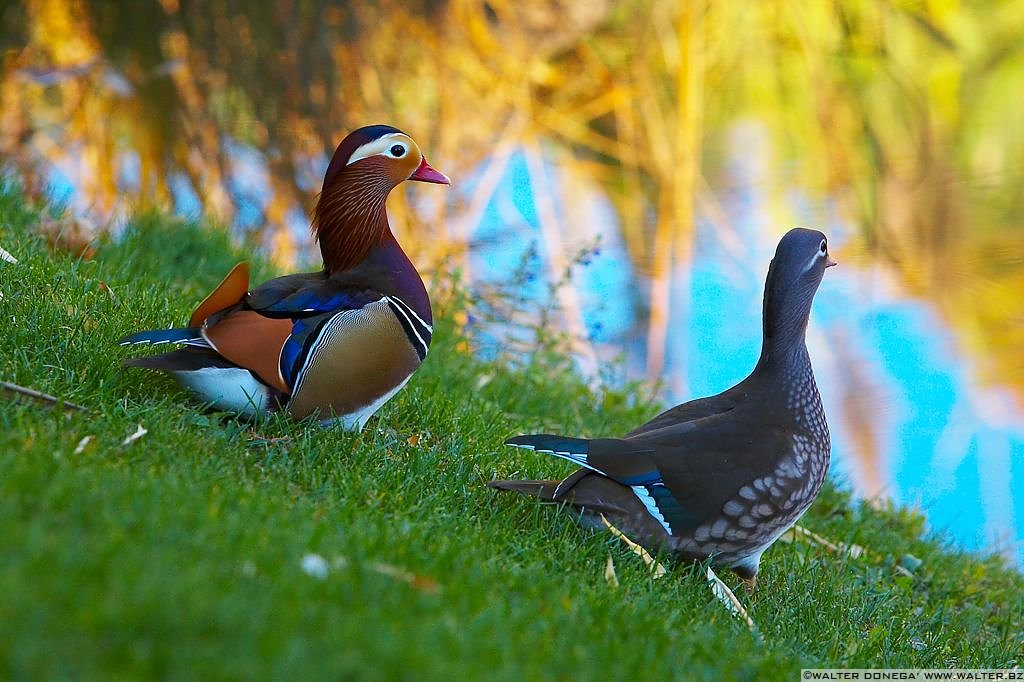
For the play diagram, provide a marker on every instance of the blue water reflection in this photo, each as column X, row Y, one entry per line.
column 909, row 420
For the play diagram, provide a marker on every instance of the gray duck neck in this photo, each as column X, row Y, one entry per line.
column 784, row 368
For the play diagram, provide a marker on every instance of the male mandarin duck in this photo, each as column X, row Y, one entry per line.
column 337, row 343
column 724, row 476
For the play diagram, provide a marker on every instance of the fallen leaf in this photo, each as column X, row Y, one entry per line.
column 609, row 572
column 656, row 568
column 801, row 533
column 81, row 445
column 420, row 582
column 728, row 599
column 110, row 292
column 413, row 440
column 139, row 433
column 255, row 439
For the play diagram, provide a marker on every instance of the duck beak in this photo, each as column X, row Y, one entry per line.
column 829, row 262
column 426, row 173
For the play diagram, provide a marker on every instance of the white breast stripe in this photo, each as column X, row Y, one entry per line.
column 409, row 309
column 404, row 311
column 652, row 507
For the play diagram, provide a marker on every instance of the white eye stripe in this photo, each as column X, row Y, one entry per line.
column 382, row 147
column 818, row 255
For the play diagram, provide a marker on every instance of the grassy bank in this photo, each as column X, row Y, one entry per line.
column 181, row 553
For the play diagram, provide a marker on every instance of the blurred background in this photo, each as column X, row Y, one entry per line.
column 622, row 172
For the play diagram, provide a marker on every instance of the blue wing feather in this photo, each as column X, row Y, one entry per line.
column 295, row 348
column 308, row 300
column 677, row 516
column 316, row 301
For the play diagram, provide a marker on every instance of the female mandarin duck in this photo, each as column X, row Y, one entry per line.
column 720, row 477
column 337, row 343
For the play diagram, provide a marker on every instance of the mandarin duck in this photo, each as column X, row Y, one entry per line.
column 337, row 343
column 720, row 477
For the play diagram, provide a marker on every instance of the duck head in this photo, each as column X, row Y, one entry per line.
column 801, row 259
column 350, row 218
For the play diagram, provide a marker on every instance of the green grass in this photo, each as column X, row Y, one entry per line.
column 179, row 555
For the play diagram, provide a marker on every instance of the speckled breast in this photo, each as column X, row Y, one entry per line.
column 766, row 507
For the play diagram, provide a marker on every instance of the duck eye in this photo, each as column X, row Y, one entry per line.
column 824, row 247
column 397, row 151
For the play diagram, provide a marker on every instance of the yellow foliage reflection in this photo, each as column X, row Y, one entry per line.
column 907, row 114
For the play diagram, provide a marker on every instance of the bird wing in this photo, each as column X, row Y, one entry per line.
column 230, row 291
column 699, row 466
column 309, row 294
column 627, row 462
column 252, row 341
column 272, row 330
column 682, row 474
column 693, row 410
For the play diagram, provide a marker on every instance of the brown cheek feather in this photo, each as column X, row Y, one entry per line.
column 406, row 166
column 254, row 342
column 349, row 217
